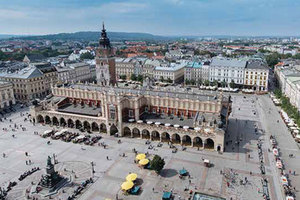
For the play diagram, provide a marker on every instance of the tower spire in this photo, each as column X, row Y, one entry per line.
column 103, row 27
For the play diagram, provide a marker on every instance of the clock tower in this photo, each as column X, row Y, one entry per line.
column 105, row 61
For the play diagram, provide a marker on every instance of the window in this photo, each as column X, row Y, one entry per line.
column 154, row 110
column 130, row 113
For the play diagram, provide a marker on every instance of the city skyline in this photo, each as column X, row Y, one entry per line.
column 166, row 17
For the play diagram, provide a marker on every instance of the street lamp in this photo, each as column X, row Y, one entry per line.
column 92, row 164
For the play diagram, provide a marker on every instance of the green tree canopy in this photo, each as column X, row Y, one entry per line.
column 133, row 77
column 157, row 163
column 86, row 55
column 272, row 59
column 140, row 78
column 232, row 84
column 123, row 77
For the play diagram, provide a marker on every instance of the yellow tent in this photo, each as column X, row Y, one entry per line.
column 144, row 162
column 140, row 156
column 131, row 177
column 127, row 185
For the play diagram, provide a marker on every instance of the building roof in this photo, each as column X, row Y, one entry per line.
column 80, row 64
column 138, row 92
column 26, row 73
column 256, row 64
column 194, row 64
column 35, row 57
column 228, row 62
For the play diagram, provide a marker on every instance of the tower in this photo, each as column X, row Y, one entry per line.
column 105, row 61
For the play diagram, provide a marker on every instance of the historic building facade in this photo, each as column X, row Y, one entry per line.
column 7, row 97
column 105, row 61
column 188, row 119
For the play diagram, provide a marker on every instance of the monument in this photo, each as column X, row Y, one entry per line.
column 51, row 178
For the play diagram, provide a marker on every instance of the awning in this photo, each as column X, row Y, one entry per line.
column 275, row 152
column 284, row 180
column 182, row 171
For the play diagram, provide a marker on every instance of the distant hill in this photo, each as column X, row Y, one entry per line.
column 93, row 35
column 5, row 36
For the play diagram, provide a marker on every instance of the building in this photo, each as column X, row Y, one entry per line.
column 171, row 72
column 196, row 71
column 288, row 78
column 105, row 61
column 49, row 72
column 197, row 120
column 33, row 58
column 188, row 119
column 82, row 72
column 28, row 84
column 227, row 70
column 125, row 66
column 7, row 97
column 256, row 75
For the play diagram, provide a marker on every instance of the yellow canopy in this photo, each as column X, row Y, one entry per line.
column 140, row 156
column 144, row 162
column 131, row 177
column 127, row 185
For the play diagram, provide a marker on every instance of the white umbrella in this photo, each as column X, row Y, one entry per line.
column 157, row 123
column 197, row 129
column 140, row 121
column 149, row 122
column 167, row 125
column 176, row 125
column 131, row 120
column 185, row 127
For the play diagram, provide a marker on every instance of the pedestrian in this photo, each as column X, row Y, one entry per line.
column 106, row 157
column 26, row 154
column 152, row 189
column 294, row 173
column 227, row 184
column 3, row 155
column 290, row 171
column 26, row 162
column 29, row 162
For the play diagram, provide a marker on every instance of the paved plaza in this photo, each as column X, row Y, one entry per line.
column 226, row 178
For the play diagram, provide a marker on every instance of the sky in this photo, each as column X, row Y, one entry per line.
column 160, row 17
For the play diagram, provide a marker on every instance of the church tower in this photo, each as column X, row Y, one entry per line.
column 105, row 61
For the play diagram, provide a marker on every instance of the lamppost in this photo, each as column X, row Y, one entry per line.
column 92, row 164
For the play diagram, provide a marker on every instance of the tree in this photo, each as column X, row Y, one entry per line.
column 232, row 84
column 133, row 77
column 200, row 82
column 272, row 59
column 193, row 82
column 187, row 82
column 123, row 77
column 140, row 78
column 86, row 55
column 157, row 163
column 223, row 84
column 215, row 83
column 162, row 79
column 170, row 80
column 206, row 82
